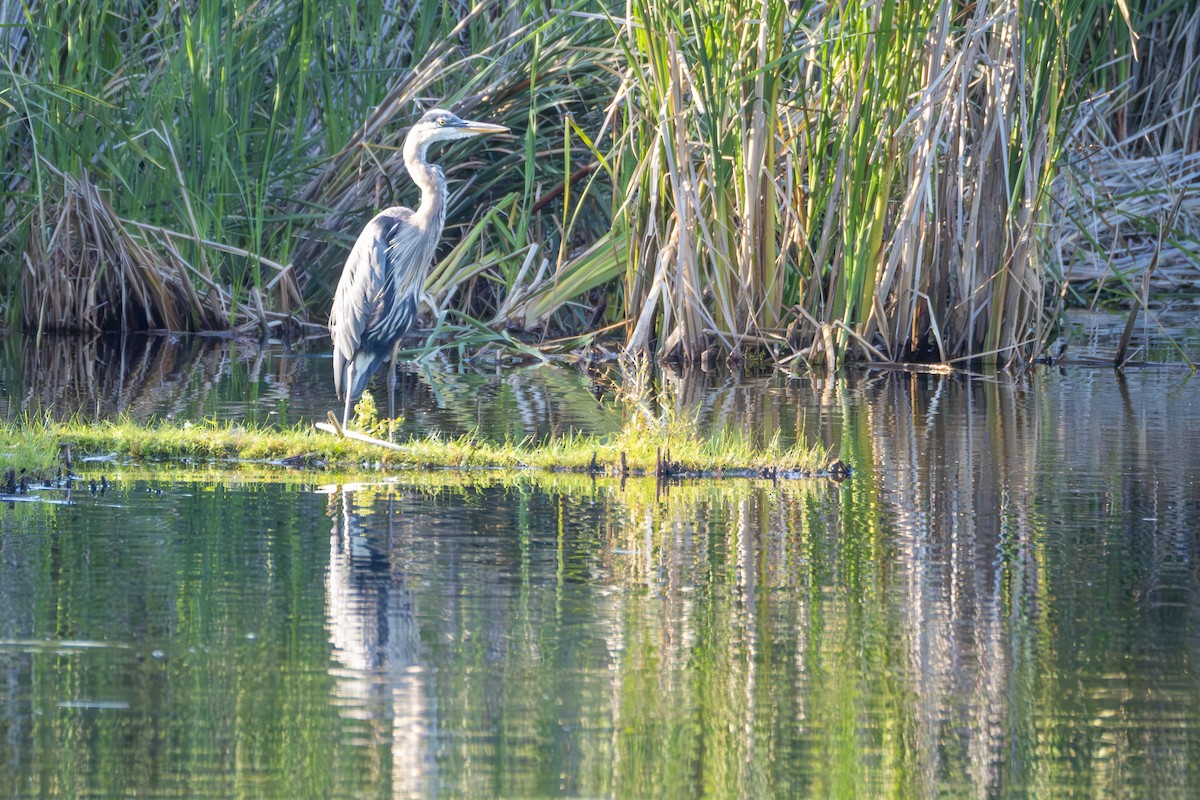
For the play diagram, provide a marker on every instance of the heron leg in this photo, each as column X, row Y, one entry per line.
column 392, row 389
column 346, row 410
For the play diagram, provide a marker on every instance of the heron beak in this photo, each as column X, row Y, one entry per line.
column 479, row 128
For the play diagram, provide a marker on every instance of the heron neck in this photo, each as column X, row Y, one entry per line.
column 429, row 178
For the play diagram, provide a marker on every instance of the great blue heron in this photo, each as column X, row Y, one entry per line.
column 377, row 296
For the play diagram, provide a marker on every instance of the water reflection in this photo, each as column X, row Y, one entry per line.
column 380, row 680
column 1028, row 520
column 245, row 381
column 584, row 640
column 143, row 376
column 1003, row 602
column 196, row 377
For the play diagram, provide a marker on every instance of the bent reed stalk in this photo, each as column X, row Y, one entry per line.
column 882, row 180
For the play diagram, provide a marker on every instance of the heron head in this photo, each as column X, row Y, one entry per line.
column 440, row 125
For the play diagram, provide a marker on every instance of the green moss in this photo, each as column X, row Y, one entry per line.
column 37, row 446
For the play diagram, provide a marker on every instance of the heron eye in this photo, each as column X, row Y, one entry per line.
column 441, row 120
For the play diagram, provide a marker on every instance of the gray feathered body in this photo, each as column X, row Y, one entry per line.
column 380, row 288
column 377, row 297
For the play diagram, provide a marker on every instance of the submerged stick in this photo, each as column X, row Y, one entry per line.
column 1166, row 224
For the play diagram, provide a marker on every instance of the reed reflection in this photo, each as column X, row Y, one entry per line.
column 942, row 623
column 1003, row 601
column 1027, row 516
column 142, row 376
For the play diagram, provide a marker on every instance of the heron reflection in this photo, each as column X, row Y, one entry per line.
column 373, row 629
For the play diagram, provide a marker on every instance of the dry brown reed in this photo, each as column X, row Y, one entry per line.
column 1125, row 223
column 96, row 271
column 92, row 273
column 1115, row 197
column 1112, row 207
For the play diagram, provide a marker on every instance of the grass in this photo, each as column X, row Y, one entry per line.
column 29, row 448
column 36, row 447
column 866, row 180
column 237, row 148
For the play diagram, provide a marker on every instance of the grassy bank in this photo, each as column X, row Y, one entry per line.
column 893, row 180
column 637, row 450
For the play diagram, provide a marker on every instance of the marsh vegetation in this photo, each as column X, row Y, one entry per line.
column 903, row 179
column 663, row 448
column 1003, row 600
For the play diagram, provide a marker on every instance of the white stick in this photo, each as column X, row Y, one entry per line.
column 361, row 437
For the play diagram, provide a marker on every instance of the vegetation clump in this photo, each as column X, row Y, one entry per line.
column 880, row 179
column 670, row 447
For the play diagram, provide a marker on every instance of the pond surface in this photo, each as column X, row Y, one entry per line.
column 1004, row 600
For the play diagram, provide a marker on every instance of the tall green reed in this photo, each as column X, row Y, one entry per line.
column 695, row 158
column 862, row 179
column 233, row 139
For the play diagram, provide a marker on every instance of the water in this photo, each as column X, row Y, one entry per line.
column 167, row 377
column 1004, row 601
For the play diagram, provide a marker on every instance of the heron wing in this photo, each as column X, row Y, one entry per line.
column 360, row 292
column 377, row 296
column 408, row 253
